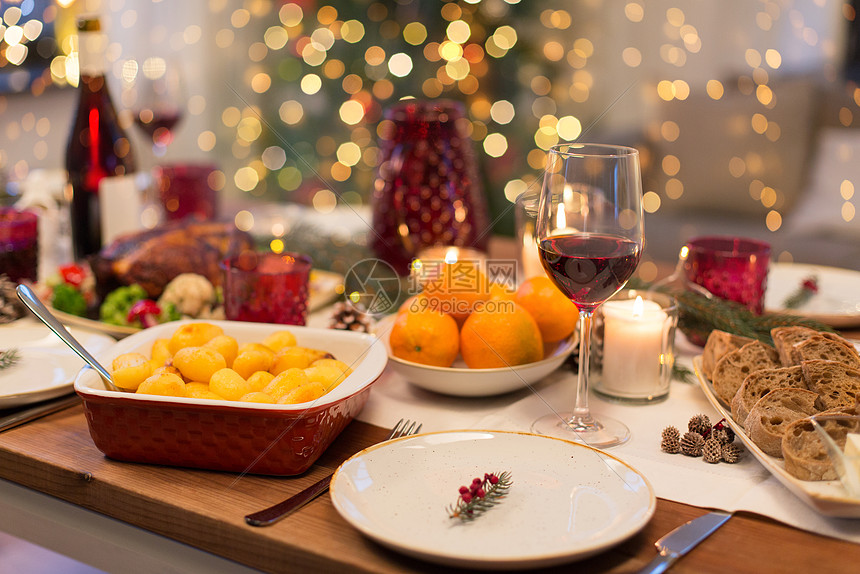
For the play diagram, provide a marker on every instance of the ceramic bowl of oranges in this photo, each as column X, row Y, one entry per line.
column 466, row 336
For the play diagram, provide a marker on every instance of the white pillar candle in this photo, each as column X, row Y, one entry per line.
column 633, row 346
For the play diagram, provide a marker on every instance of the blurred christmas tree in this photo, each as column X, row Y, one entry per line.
column 336, row 67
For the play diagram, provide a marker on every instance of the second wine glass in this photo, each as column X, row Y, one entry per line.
column 589, row 234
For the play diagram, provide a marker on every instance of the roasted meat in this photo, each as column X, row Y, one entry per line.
column 153, row 257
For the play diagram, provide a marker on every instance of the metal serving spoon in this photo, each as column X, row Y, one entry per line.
column 38, row 308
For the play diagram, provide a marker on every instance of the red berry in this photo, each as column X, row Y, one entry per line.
column 477, row 481
column 480, row 493
column 467, row 498
column 493, row 479
column 464, row 490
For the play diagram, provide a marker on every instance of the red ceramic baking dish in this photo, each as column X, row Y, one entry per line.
column 226, row 435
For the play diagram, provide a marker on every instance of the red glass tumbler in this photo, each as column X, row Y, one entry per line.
column 19, row 244
column 186, row 190
column 267, row 287
column 427, row 190
column 732, row 268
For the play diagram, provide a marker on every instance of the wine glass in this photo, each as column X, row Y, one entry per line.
column 155, row 95
column 589, row 234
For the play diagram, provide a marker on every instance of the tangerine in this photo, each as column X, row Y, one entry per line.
column 555, row 314
column 500, row 334
column 425, row 336
column 460, row 289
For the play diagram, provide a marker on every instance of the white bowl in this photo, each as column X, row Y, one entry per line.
column 459, row 380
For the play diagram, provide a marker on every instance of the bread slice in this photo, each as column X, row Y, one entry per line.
column 826, row 346
column 718, row 344
column 836, row 384
column 773, row 412
column 733, row 368
column 784, row 339
column 760, row 383
column 805, row 454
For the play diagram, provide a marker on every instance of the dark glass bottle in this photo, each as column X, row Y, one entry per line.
column 98, row 146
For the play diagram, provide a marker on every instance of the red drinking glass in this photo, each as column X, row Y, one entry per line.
column 732, row 268
column 19, row 244
column 187, row 190
column 267, row 287
column 427, row 190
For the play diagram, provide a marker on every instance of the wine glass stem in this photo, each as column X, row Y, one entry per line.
column 581, row 414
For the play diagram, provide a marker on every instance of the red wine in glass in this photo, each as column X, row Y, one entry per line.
column 158, row 125
column 589, row 268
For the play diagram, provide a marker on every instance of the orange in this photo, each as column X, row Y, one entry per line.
column 500, row 334
column 459, row 289
column 425, row 336
column 501, row 292
column 555, row 314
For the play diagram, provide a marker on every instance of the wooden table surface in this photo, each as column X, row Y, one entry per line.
column 56, row 456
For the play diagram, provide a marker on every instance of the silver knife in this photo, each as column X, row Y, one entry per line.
column 683, row 539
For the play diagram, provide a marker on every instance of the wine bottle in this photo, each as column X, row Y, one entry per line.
column 98, row 146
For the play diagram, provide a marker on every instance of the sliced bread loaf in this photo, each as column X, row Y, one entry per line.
column 804, row 453
column 733, row 367
column 760, row 383
column 785, row 338
column 773, row 412
column 836, row 384
column 718, row 344
column 828, row 347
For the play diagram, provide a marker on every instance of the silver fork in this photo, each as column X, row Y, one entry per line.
column 268, row 516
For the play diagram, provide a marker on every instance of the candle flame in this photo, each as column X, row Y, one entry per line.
column 451, row 255
column 638, row 307
column 560, row 218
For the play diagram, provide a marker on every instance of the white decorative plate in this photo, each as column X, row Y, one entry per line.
column 837, row 302
column 568, row 501
column 47, row 367
column 828, row 497
column 460, row 380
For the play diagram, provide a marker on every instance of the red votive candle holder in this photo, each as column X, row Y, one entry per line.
column 732, row 268
column 19, row 244
column 187, row 190
column 266, row 287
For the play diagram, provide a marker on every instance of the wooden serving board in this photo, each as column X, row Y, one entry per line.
column 56, row 456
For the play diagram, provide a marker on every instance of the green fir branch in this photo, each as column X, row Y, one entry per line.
column 8, row 358
column 470, row 505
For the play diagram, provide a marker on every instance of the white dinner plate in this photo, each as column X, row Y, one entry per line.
column 46, row 367
column 568, row 501
column 837, row 302
column 461, row 381
column 828, row 497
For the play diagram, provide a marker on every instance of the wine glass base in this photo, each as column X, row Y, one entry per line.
column 604, row 433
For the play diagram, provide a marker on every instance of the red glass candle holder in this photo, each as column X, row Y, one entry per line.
column 186, row 190
column 732, row 268
column 19, row 244
column 267, row 287
column 427, row 190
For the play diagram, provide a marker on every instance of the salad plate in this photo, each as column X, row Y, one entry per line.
column 836, row 303
column 567, row 500
column 323, row 289
column 46, row 367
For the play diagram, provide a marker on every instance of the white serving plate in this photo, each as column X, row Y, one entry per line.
column 568, row 501
column 827, row 497
column 459, row 380
column 837, row 302
column 47, row 367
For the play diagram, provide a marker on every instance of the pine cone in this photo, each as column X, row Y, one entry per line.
column 725, row 431
column 670, row 440
column 712, row 451
column 11, row 307
column 692, row 444
column 700, row 424
column 732, row 453
column 347, row 318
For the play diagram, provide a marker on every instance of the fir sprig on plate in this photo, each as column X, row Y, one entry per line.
column 480, row 496
column 8, row 358
column 808, row 287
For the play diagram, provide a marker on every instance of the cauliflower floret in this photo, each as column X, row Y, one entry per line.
column 192, row 295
